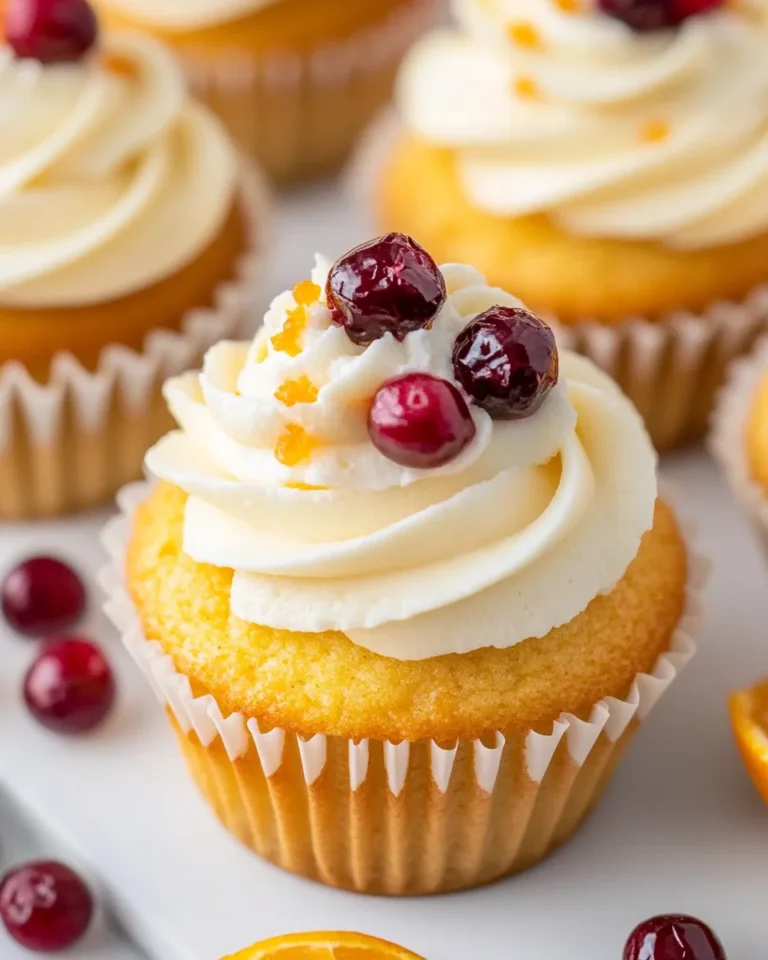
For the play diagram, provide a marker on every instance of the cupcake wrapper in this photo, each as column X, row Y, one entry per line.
column 394, row 818
column 72, row 442
column 300, row 115
column 671, row 369
column 727, row 439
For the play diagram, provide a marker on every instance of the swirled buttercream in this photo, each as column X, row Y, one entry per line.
column 514, row 537
column 559, row 109
column 111, row 179
column 185, row 15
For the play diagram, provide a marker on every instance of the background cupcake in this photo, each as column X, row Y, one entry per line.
column 295, row 80
column 381, row 728
column 128, row 238
column 607, row 161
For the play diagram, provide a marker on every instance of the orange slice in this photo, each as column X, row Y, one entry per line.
column 324, row 946
column 749, row 718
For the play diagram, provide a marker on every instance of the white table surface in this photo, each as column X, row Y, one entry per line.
column 680, row 830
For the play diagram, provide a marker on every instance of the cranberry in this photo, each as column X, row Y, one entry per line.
column 506, row 360
column 42, row 596
column 673, row 938
column 644, row 15
column 51, row 31
column 389, row 285
column 70, row 687
column 45, row 906
column 420, row 421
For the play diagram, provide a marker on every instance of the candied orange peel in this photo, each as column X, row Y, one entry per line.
column 301, row 390
column 294, row 445
column 289, row 340
column 306, row 293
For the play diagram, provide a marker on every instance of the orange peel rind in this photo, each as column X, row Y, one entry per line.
column 749, row 719
column 324, row 946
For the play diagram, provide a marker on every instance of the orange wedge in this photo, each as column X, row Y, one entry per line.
column 324, row 946
column 749, row 717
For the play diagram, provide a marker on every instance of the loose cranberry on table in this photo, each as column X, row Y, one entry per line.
column 420, row 421
column 45, row 906
column 51, row 31
column 673, row 938
column 646, row 15
column 70, row 688
column 506, row 360
column 389, row 285
column 42, row 596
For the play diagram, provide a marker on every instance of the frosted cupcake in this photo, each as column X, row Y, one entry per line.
column 406, row 589
column 128, row 239
column 607, row 161
column 295, row 80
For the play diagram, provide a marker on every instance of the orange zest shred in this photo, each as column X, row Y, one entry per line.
column 306, row 293
column 655, row 131
column 304, row 486
column 525, row 35
column 527, row 89
column 292, row 392
column 289, row 339
column 569, row 6
column 294, row 445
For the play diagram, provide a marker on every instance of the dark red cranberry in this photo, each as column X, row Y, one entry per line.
column 673, row 938
column 45, row 906
column 70, row 687
column 645, row 15
column 506, row 360
column 51, row 31
column 420, row 421
column 389, row 285
column 42, row 596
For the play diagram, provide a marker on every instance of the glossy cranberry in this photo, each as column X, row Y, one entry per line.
column 70, row 687
column 42, row 596
column 45, row 906
column 506, row 361
column 645, row 15
column 51, row 31
column 420, row 421
column 389, row 285
column 673, row 938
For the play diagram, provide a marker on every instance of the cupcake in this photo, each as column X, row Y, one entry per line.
column 406, row 588
column 606, row 160
column 295, row 80
column 739, row 436
column 128, row 246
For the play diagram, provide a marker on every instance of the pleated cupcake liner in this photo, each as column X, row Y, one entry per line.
column 300, row 114
column 728, row 437
column 670, row 368
column 73, row 441
column 396, row 818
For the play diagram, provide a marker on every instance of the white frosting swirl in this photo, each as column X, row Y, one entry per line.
column 184, row 15
column 660, row 136
column 111, row 179
column 514, row 537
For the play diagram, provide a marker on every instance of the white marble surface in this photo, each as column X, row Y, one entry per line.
column 681, row 829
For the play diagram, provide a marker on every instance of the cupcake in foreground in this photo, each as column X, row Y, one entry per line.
column 295, row 80
column 606, row 160
column 128, row 246
column 406, row 588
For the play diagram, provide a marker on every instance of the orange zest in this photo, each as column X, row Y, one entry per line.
column 525, row 35
column 290, row 337
column 324, row 946
column 306, row 293
column 527, row 89
column 655, row 131
column 569, row 6
column 294, row 445
column 749, row 719
column 292, row 392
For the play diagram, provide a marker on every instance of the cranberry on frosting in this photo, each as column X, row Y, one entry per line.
column 645, row 15
column 51, row 31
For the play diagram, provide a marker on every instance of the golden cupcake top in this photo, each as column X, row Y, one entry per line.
column 403, row 455
column 631, row 120
column 111, row 177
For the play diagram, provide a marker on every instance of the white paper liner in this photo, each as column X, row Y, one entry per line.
column 670, row 368
column 728, row 442
column 203, row 715
column 37, row 411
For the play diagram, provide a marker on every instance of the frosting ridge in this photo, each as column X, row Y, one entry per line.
column 409, row 563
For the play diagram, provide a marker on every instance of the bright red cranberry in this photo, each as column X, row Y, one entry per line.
column 420, row 421
column 645, row 15
column 45, row 906
column 506, row 361
column 389, row 285
column 42, row 596
column 673, row 938
column 51, row 31
column 70, row 687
